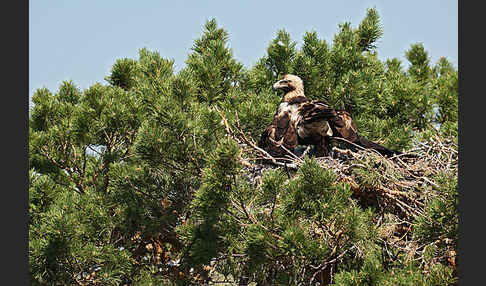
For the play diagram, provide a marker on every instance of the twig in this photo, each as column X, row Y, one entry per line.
column 323, row 265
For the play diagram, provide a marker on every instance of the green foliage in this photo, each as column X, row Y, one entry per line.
column 281, row 53
column 407, row 276
column 369, row 30
column 72, row 234
column 137, row 182
column 255, row 110
column 437, row 227
column 419, row 62
column 209, row 203
column 446, row 88
column 212, row 63
column 312, row 65
column 123, row 74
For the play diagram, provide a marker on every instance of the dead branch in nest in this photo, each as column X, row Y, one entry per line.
column 239, row 136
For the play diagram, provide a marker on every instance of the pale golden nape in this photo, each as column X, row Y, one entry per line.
column 297, row 81
column 296, row 87
column 292, row 86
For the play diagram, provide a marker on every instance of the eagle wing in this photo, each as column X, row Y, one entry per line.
column 280, row 132
column 317, row 114
column 309, row 123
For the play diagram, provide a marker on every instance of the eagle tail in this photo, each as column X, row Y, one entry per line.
column 365, row 143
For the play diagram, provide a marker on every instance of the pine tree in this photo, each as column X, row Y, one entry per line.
column 143, row 180
column 212, row 63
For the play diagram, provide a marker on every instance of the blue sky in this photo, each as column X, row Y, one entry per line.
column 80, row 40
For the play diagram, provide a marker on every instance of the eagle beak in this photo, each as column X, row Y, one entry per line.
column 276, row 85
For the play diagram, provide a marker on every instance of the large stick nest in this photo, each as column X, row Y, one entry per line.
column 399, row 188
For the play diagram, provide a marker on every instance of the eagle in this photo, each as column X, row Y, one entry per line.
column 301, row 121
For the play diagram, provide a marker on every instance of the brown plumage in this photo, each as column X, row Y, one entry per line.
column 299, row 120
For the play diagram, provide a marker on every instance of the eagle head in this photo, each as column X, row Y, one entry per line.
column 289, row 82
